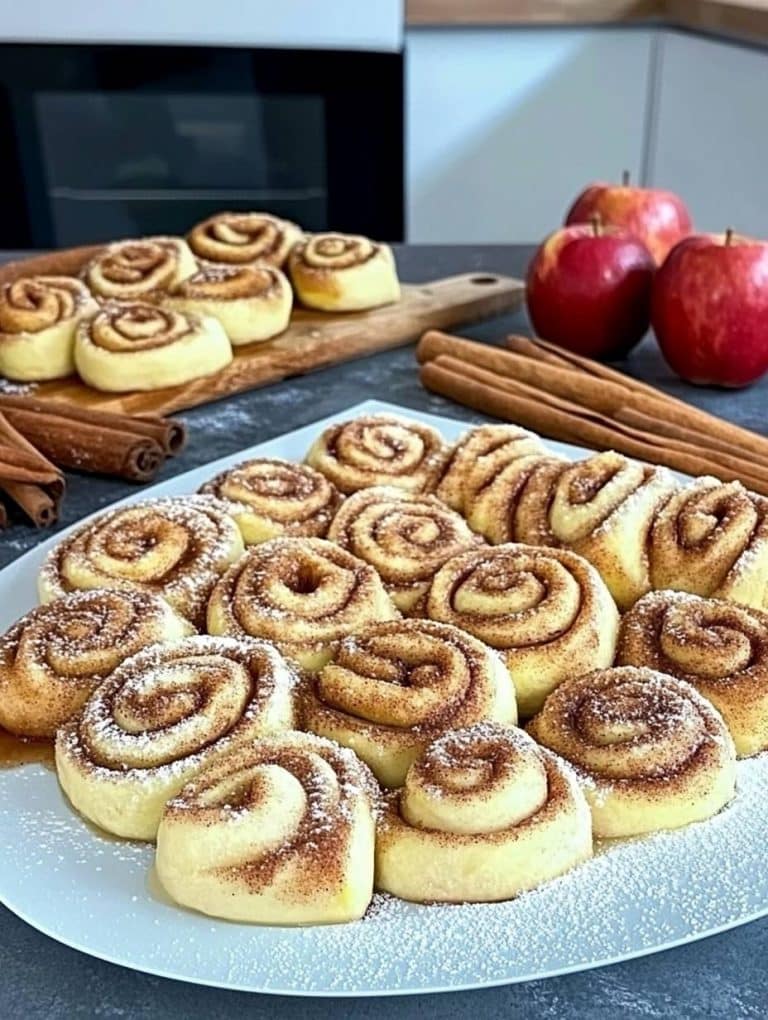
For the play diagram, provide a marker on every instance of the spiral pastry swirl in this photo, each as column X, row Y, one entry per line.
column 52, row 659
column 394, row 687
column 712, row 539
column 280, row 831
column 304, row 594
column 651, row 752
column 130, row 270
column 511, row 504
column 484, row 815
column 478, row 457
column 380, row 449
column 343, row 272
column 546, row 610
column 176, row 548
column 273, row 497
column 38, row 318
column 252, row 303
column 141, row 346
column 240, row 238
column 405, row 537
column 161, row 717
column 718, row 647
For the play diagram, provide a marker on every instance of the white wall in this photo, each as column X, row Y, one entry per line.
column 505, row 126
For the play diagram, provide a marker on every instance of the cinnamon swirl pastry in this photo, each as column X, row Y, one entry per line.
column 252, row 303
column 405, row 537
column 175, row 548
column 242, row 238
column 712, row 539
column 161, row 717
column 272, row 497
column 343, row 273
column 650, row 751
column 478, row 456
column 394, row 687
column 546, row 610
column 512, row 503
column 304, row 594
column 53, row 658
column 38, row 318
column 484, row 815
column 602, row 508
column 139, row 346
column 136, row 269
column 280, row 831
column 718, row 647
column 380, row 449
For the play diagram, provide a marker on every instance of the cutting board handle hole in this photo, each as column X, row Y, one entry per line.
column 483, row 281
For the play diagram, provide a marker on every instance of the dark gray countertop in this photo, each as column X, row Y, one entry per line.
column 723, row 976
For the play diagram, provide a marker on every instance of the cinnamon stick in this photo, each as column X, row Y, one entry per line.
column 39, row 500
column 561, row 419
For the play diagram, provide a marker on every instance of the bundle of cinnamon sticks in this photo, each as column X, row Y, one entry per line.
column 39, row 438
column 571, row 398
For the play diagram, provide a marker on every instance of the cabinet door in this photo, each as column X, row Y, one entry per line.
column 710, row 142
column 505, row 126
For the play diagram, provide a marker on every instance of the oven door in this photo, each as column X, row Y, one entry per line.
column 120, row 141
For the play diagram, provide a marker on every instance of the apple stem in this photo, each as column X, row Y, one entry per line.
column 728, row 236
column 625, row 178
column 596, row 225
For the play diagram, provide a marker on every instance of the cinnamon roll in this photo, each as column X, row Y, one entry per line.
column 53, row 658
column 252, row 303
column 272, row 497
column 478, row 456
column 380, row 449
column 405, row 537
column 712, row 539
column 343, row 273
column 38, row 318
column 161, row 717
column 546, row 610
column 512, row 503
column 140, row 346
column 175, row 547
column 141, row 268
column 718, row 647
column 484, row 815
column 393, row 687
column 280, row 831
column 305, row 594
column 242, row 238
column 603, row 508
column 650, row 751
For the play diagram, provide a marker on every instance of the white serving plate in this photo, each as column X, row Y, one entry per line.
column 99, row 895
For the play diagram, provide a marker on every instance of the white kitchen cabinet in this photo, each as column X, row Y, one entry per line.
column 505, row 126
column 709, row 142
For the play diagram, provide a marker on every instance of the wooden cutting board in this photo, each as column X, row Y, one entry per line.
column 313, row 340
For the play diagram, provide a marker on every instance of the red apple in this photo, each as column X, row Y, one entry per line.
column 589, row 290
column 659, row 218
column 710, row 309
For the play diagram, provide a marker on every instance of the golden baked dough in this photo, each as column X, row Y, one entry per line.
column 54, row 657
column 652, row 753
column 140, row 268
column 718, row 647
column 393, row 687
column 484, row 815
column 546, row 610
column 511, row 504
column 163, row 716
column 272, row 497
column 405, row 537
column 252, row 303
column 380, row 449
column 140, row 346
column 712, row 539
column 343, row 273
column 305, row 594
column 174, row 547
column 280, row 831
column 242, row 238
column 38, row 319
